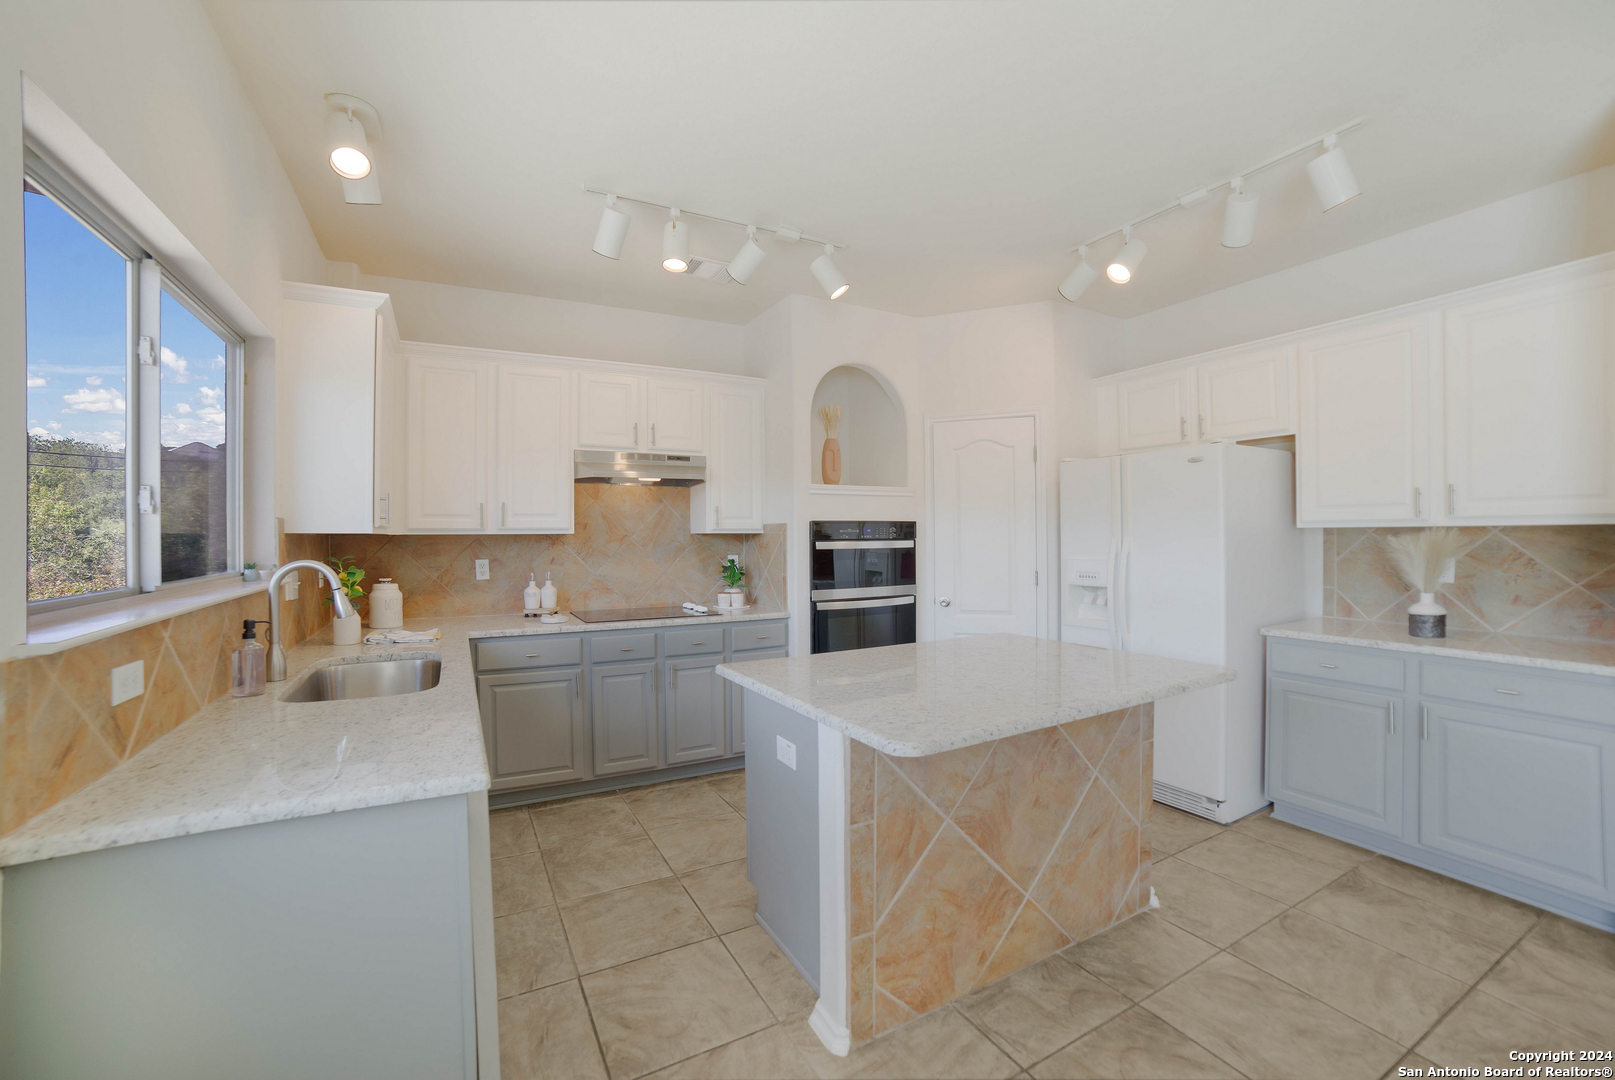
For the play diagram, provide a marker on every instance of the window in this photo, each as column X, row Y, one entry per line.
column 121, row 498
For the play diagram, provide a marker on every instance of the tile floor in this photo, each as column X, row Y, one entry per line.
column 626, row 948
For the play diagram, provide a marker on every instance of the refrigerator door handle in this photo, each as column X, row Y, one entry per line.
column 1122, row 626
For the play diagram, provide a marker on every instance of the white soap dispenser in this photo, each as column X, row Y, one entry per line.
column 532, row 597
column 550, row 595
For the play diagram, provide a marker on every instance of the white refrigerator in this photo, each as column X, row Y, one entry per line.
column 1187, row 553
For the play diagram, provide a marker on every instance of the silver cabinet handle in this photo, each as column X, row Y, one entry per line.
column 653, row 434
column 386, row 508
column 1424, row 722
column 577, row 682
column 504, row 515
column 532, row 656
column 945, row 601
column 697, row 643
column 1391, row 709
column 760, row 637
column 1510, row 693
column 1202, row 425
column 1418, row 502
column 482, row 515
column 1452, row 498
column 636, row 432
column 625, row 650
column 1329, row 665
column 1183, row 428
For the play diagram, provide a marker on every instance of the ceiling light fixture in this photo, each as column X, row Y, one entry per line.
column 349, row 150
column 1239, row 215
column 675, row 244
column 613, row 230
column 748, row 258
column 830, row 278
column 1332, row 177
column 1079, row 279
column 349, row 131
column 1127, row 259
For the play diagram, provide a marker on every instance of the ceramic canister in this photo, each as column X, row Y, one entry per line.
column 386, row 605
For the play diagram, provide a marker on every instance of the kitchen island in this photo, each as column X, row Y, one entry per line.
column 925, row 819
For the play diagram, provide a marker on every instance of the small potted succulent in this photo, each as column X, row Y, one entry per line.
column 249, row 571
column 733, row 574
column 347, row 631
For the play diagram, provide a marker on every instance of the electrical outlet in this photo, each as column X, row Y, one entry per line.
column 128, row 681
column 288, row 587
column 1449, row 572
column 482, row 569
column 785, row 750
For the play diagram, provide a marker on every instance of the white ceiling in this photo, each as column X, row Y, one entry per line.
column 958, row 148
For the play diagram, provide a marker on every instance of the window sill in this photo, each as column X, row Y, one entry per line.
column 57, row 631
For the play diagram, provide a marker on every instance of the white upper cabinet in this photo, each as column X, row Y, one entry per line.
column 448, row 438
column 1155, row 410
column 609, row 408
column 678, row 414
column 1362, row 443
column 533, row 449
column 1530, row 401
column 1245, row 396
column 731, row 501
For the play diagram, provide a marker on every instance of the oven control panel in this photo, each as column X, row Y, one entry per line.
column 862, row 530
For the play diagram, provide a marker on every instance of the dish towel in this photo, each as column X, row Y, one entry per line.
column 401, row 637
column 695, row 609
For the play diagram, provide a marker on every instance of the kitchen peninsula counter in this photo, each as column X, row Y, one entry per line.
column 925, row 819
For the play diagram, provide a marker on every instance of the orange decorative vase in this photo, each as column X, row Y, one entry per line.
column 830, row 462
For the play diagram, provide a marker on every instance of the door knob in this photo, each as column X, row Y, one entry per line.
column 944, row 601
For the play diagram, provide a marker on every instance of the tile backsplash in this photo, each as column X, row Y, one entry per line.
column 630, row 546
column 1553, row 581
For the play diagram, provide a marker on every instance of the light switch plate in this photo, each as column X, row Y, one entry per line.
column 482, row 569
column 785, row 750
column 1449, row 572
column 288, row 587
column 128, row 681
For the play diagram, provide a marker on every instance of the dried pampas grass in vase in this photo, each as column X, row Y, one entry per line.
column 1419, row 556
column 830, row 460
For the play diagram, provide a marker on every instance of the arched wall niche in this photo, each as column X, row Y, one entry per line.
column 873, row 432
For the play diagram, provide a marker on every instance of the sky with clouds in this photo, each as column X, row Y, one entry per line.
column 77, row 341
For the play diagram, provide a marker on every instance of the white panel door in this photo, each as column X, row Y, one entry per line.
column 984, row 526
column 1530, row 383
column 533, row 450
column 1362, row 452
column 448, row 437
column 678, row 414
column 1154, row 410
column 1246, row 396
column 731, row 501
column 608, row 411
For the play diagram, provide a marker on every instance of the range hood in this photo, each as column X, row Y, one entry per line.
column 632, row 467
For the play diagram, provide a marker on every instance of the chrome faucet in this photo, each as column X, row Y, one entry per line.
column 276, row 665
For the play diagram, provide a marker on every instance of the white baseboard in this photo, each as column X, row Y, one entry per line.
column 836, row 1039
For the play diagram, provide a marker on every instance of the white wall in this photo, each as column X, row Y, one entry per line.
column 481, row 318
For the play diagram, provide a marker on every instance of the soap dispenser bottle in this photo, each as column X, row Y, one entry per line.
column 532, row 597
column 247, row 662
column 549, row 594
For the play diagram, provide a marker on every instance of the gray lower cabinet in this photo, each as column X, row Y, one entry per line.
column 737, row 699
column 1336, row 751
column 695, row 712
column 532, row 722
column 623, row 717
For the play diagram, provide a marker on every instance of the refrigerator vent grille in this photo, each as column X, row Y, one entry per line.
column 1186, row 800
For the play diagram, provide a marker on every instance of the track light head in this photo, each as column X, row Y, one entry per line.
column 1332, row 177
column 1239, row 216
column 349, row 151
column 675, row 244
column 613, row 230
column 830, row 278
column 747, row 259
column 1127, row 259
column 1079, row 279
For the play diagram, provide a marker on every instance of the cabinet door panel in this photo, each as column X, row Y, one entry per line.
column 1361, row 443
column 622, row 714
column 737, row 699
column 732, row 498
column 678, row 414
column 1155, row 410
column 1333, row 751
column 1520, row 793
column 533, row 463
column 447, row 430
column 1241, row 397
column 608, row 411
column 695, row 710
column 1530, row 382
column 533, row 726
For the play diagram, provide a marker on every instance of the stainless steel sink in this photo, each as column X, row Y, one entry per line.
column 376, row 678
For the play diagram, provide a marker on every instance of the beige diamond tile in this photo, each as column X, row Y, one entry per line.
column 1209, row 907
column 1020, row 800
column 520, row 883
column 1481, row 1031
column 547, row 1033
column 1137, row 1045
column 530, row 951
column 788, row 994
column 615, row 927
column 725, row 896
column 1141, row 955
column 1039, row 1009
column 1269, row 870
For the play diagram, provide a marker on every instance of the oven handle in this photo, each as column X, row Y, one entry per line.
column 844, row 605
column 843, row 545
column 859, row 594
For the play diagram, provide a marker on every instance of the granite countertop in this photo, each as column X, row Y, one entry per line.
column 1586, row 657
column 916, row 700
column 246, row 761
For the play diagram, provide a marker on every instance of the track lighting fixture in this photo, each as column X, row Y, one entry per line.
column 1239, row 215
column 675, row 244
column 1080, row 278
column 348, row 131
column 830, row 278
column 613, row 230
column 747, row 259
column 349, row 152
column 1332, row 177
column 1127, row 259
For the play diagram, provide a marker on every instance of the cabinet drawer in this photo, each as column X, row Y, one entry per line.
column 757, row 636
column 1498, row 686
column 606, row 648
column 1365, row 667
column 693, row 642
column 501, row 654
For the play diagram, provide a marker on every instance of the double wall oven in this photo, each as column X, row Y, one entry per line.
column 863, row 584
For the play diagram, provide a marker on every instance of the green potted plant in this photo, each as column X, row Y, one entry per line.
column 733, row 574
column 347, row 631
column 249, row 571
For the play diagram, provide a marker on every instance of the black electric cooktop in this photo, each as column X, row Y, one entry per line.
column 630, row 614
